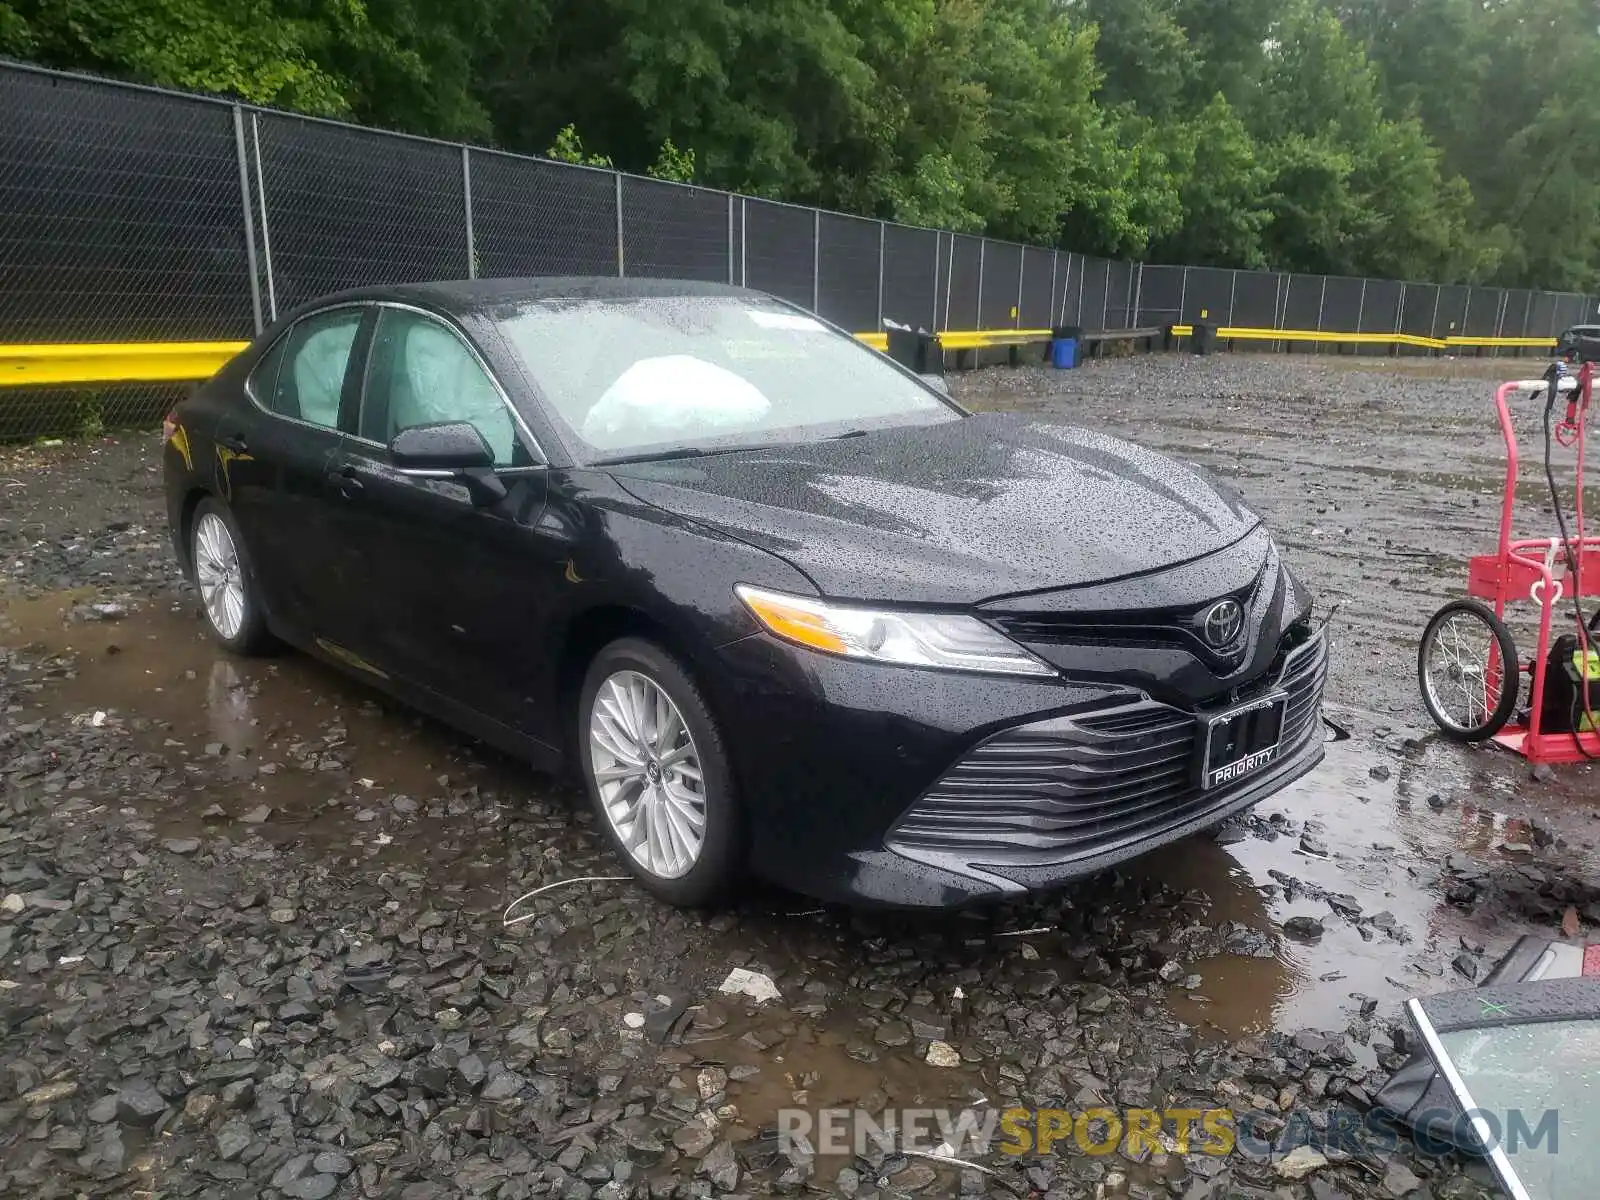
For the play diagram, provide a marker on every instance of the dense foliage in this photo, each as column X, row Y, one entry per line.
column 1426, row 139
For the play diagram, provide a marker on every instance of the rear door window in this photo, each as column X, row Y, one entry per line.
column 314, row 360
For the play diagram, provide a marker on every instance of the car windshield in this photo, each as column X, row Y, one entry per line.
column 641, row 377
column 1518, row 1073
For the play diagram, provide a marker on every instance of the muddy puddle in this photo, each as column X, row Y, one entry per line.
column 288, row 751
column 283, row 748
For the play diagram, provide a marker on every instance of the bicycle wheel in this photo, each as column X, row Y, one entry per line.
column 1467, row 669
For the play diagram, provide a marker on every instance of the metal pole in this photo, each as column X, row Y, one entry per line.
column 622, row 270
column 816, row 259
column 1183, row 296
column 1105, row 296
column 1138, row 295
column 1466, row 310
column 1433, row 323
column 249, row 221
column 266, row 237
column 983, row 245
column 1022, row 266
column 934, row 323
column 1361, row 305
column 1233, row 298
column 883, row 233
column 1055, row 264
column 1321, row 302
column 1500, row 321
column 744, row 237
column 1527, row 312
column 1400, row 309
column 949, row 272
column 731, row 278
column 1081, row 276
column 466, row 192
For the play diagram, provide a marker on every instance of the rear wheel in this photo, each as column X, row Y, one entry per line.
column 222, row 576
column 1467, row 669
column 657, row 773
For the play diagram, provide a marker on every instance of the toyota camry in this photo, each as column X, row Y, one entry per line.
column 785, row 607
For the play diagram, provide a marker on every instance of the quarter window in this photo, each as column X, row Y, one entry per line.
column 421, row 373
column 308, row 384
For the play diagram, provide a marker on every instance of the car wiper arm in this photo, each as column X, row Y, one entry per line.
column 678, row 452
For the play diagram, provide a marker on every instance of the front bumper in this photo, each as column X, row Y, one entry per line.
column 923, row 789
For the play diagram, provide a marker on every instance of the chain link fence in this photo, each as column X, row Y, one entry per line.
column 130, row 214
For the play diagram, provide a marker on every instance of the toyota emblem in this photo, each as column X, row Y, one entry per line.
column 1222, row 623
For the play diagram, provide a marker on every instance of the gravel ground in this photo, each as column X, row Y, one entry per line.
column 251, row 938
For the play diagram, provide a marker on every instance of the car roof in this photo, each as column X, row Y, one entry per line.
column 462, row 296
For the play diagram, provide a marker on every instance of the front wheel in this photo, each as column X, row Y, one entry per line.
column 657, row 772
column 1467, row 669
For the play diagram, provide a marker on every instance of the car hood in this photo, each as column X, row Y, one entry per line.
column 953, row 513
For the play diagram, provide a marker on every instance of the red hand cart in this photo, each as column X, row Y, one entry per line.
column 1467, row 664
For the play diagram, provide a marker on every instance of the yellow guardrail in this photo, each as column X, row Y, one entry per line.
column 57, row 365
column 50, row 365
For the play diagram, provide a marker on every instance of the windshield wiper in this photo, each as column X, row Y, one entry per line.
column 679, row 452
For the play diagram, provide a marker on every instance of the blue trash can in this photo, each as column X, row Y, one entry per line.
column 1064, row 353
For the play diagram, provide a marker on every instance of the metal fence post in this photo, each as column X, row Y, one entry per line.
column 266, row 236
column 1400, row 309
column 1081, row 275
column 1138, row 295
column 1433, row 321
column 1466, row 311
column 1500, row 320
column 249, row 221
column 1022, row 266
column 1183, row 296
column 466, row 192
column 935, row 323
column 1233, row 297
column 1527, row 313
column 731, row 278
column 1055, row 265
column 622, row 270
column 883, row 236
column 949, row 271
column 983, row 245
column 1105, row 296
column 816, row 259
column 1321, row 301
column 1361, row 305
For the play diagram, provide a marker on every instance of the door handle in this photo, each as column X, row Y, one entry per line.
column 348, row 482
column 233, row 441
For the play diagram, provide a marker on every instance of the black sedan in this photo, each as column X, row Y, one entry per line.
column 784, row 606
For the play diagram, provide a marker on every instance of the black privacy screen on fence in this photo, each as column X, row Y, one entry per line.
column 129, row 214
column 847, row 271
column 121, row 215
column 531, row 217
column 674, row 232
column 347, row 208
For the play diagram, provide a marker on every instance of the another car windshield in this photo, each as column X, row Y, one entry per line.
column 636, row 377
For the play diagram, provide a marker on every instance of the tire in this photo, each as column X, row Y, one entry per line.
column 621, row 676
column 1481, row 719
column 240, row 627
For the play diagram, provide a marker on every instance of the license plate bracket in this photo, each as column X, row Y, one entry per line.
column 1241, row 741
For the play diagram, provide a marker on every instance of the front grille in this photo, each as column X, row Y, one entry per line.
column 1178, row 627
column 1074, row 786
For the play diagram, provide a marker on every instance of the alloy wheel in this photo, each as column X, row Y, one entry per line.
column 648, row 773
column 219, row 576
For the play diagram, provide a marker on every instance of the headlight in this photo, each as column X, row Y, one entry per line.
column 947, row 641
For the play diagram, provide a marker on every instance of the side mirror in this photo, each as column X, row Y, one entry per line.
column 453, row 449
column 451, row 446
column 937, row 382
